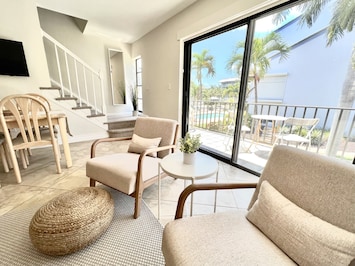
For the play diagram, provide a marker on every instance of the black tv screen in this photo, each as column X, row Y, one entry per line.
column 12, row 59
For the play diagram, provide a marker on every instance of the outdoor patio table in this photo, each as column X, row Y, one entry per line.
column 266, row 131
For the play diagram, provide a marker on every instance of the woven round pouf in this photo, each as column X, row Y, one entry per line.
column 71, row 221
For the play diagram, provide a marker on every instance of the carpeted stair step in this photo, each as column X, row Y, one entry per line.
column 121, row 132
column 65, row 98
column 71, row 98
column 50, row 88
column 95, row 115
column 82, row 107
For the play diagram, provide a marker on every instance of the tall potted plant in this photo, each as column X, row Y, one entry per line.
column 134, row 99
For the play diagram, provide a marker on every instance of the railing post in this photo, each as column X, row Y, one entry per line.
column 68, row 73
column 333, row 140
column 59, row 70
column 94, row 91
column 86, row 85
column 103, row 108
column 349, row 134
column 77, row 82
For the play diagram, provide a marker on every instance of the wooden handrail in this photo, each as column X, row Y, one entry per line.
column 212, row 186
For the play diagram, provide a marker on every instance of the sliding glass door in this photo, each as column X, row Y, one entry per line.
column 242, row 82
column 214, row 87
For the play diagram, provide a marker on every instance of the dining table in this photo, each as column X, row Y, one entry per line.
column 58, row 118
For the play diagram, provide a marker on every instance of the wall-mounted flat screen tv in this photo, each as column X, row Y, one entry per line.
column 12, row 59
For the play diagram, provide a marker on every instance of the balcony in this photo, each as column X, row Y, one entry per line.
column 333, row 136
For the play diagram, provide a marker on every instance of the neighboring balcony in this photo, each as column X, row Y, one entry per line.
column 334, row 135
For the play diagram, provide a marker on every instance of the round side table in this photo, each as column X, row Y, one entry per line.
column 203, row 167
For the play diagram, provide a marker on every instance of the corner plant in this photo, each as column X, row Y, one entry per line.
column 190, row 143
column 134, row 98
column 122, row 92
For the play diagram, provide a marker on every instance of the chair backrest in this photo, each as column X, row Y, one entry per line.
column 42, row 98
column 153, row 127
column 307, row 124
column 323, row 186
column 28, row 112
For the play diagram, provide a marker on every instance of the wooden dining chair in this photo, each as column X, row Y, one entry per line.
column 25, row 153
column 28, row 114
column 3, row 154
column 44, row 129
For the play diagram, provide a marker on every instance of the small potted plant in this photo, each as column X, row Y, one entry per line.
column 189, row 145
column 134, row 99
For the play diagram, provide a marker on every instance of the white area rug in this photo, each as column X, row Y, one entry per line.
column 127, row 241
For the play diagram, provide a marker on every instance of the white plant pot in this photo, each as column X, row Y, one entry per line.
column 135, row 113
column 189, row 158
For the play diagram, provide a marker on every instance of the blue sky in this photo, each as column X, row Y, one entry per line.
column 221, row 47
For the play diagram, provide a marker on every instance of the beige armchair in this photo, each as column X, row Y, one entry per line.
column 302, row 212
column 132, row 171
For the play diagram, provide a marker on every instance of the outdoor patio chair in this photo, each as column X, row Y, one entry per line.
column 132, row 171
column 227, row 141
column 297, row 131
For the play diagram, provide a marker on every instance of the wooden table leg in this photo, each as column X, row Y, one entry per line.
column 65, row 143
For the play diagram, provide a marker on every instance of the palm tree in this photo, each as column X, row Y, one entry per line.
column 232, row 91
column 343, row 20
column 202, row 61
column 193, row 90
column 259, row 58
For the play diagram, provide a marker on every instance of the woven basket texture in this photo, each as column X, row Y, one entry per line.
column 71, row 221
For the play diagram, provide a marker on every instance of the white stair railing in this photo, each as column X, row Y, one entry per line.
column 75, row 77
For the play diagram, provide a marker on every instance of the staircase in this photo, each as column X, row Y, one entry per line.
column 121, row 127
column 73, row 80
column 77, row 104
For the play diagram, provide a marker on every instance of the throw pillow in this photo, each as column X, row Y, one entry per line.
column 306, row 239
column 140, row 144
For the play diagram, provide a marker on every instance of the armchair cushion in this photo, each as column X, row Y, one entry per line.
column 226, row 238
column 139, row 144
column 119, row 170
column 307, row 239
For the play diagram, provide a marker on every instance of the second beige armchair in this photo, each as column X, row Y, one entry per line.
column 132, row 171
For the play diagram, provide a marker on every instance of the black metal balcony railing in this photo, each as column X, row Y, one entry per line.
column 333, row 136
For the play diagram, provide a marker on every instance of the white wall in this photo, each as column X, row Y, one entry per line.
column 19, row 22
column 162, row 49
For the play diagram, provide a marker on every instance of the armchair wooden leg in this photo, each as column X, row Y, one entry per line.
column 137, row 206
column 92, row 182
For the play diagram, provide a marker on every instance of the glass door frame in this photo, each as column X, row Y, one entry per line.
column 250, row 23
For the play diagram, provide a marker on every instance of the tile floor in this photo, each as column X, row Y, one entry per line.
column 40, row 183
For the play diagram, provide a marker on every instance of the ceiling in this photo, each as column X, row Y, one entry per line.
column 125, row 20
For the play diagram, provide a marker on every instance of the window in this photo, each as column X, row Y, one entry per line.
column 139, row 83
column 243, row 80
